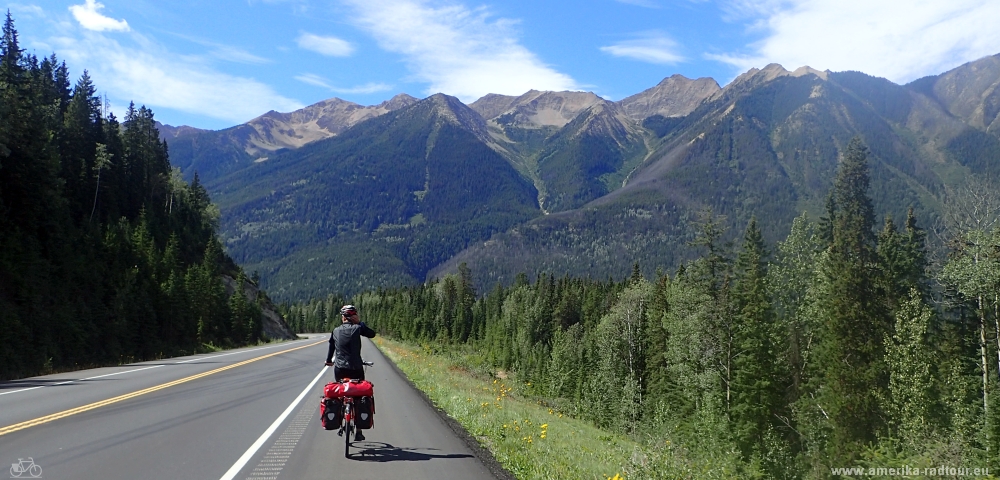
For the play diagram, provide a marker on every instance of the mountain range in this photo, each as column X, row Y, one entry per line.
column 343, row 197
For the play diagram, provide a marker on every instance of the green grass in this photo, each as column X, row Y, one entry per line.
column 530, row 440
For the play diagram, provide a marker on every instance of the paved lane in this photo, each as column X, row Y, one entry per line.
column 200, row 428
column 409, row 438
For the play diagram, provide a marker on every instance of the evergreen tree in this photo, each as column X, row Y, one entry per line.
column 758, row 382
column 851, row 351
column 82, row 132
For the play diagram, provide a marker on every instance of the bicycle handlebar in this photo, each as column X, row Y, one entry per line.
column 368, row 364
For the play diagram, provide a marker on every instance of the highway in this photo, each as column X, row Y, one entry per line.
column 251, row 413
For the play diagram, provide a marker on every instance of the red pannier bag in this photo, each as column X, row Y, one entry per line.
column 331, row 413
column 348, row 389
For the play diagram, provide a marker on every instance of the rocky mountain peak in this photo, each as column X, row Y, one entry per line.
column 171, row 132
column 774, row 70
column 970, row 92
column 493, row 104
column 453, row 110
column 274, row 130
column 399, row 101
column 755, row 77
column 608, row 119
column 675, row 96
column 537, row 109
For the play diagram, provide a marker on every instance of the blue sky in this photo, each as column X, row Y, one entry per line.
column 215, row 64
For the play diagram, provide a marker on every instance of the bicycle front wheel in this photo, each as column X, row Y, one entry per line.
column 348, row 433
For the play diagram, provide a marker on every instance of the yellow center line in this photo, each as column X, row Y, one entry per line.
column 85, row 408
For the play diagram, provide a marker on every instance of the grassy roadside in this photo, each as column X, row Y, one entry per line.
column 530, row 440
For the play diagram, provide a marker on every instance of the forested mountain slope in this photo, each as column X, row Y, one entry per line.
column 571, row 147
column 106, row 256
column 380, row 204
column 767, row 145
column 216, row 153
column 613, row 182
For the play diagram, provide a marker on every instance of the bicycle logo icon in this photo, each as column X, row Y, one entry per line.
column 28, row 467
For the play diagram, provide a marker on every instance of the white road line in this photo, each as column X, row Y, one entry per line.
column 154, row 366
column 82, row 379
column 235, row 469
column 241, row 351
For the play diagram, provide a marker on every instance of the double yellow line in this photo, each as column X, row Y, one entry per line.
column 85, row 408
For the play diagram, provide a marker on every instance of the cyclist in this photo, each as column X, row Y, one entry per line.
column 345, row 342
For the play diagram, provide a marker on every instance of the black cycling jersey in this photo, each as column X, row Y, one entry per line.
column 345, row 342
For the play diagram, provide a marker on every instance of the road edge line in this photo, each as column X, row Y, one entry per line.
column 245, row 458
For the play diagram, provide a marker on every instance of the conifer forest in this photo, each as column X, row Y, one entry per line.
column 842, row 345
column 106, row 255
column 851, row 342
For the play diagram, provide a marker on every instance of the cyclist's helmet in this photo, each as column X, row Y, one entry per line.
column 348, row 310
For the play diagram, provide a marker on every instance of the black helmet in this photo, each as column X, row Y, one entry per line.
column 348, row 310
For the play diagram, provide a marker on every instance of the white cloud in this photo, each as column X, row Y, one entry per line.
column 652, row 48
column 457, row 50
column 150, row 75
column 901, row 42
column 228, row 53
column 319, row 81
column 23, row 11
column 329, row 46
column 237, row 55
column 89, row 18
column 312, row 79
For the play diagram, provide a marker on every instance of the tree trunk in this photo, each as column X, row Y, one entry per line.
column 996, row 325
column 984, row 354
column 96, row 191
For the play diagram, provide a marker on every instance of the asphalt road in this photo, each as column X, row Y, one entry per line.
column 242, row 414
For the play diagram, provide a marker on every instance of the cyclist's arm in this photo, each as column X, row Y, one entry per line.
column 329, row 353
column 368, row 332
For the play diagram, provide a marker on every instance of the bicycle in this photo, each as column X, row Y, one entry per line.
column 348, row 428
column 25, row 466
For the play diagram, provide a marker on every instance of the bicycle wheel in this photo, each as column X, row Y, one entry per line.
column 348, row 430
column 35, row 471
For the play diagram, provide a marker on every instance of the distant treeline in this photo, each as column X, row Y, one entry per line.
column 106, row 255
column 837, row 347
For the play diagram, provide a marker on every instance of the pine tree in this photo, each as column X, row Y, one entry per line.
column 758, row 382
column 83, row 131
column 851, row 351
column 11, row 69
column 102, row 160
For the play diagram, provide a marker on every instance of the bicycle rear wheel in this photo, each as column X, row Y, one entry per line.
column 348, row 432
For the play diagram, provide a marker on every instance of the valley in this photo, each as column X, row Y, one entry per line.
column 343, row 198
